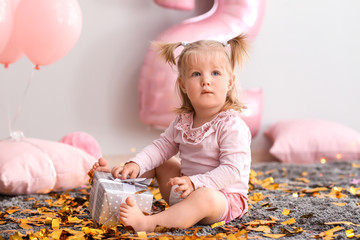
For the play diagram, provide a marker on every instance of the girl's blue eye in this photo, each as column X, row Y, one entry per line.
column 215, row 73
column 195, row 74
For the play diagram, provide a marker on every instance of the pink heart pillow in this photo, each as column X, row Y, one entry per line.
column 39, row 166
column 311, row 140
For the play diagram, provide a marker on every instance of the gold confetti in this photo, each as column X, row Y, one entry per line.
column 36, row 204
column 141, row 191
column 355, row 165
column 156, row 193
column 331, row 231
column 16, row 236
column 48, row 221
column 336, row 192
column 264, row 229
column 256, row 197
column 288, row 222
column 275, row 236
column 339, row 204
column 55, row 224
column 259, row 222
column 29, row 199
column 218, row 224
column 353, row 190
column 142, row 235
column 12, row 210
column 286, row 212
column 49, row 202
column 342, row 222
column 25, row 226
column 318, row 189
column 163, row 238
column 305, row 180
column 44, row 232
column 350, row 233
column 56, row 234
column 74, row 220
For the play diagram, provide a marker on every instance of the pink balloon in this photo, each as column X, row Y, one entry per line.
column 12, row 51
column 6, row 20
column 180, row 5
column 227, row 19
column 48, row 29
column 253, row 99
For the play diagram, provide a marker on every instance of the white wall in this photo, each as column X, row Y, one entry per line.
column 305, row 59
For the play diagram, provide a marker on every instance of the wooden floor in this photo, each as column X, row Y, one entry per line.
column 257, row 157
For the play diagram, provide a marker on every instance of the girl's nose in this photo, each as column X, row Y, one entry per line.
column 205, row 82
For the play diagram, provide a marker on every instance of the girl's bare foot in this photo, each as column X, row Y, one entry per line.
column 101, row 165
column 131, row 215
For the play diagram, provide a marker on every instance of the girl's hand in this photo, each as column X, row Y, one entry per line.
column 129, row 170
column 185, row 185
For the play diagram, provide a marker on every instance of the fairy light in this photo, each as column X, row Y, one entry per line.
column 339, row 156
column 323, row 160
column 133, row 149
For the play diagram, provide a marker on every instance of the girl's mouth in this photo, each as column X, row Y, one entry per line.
column 206, row 91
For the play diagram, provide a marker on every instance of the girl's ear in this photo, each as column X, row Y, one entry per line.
column 181, row 85
column 231, row 82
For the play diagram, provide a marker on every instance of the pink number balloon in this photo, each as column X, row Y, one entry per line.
column 226, row 19
column 180, row 5
column 12, row 51
column 253, row 98
column 48, row 29
column 6, row 19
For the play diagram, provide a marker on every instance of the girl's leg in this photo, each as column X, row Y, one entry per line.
column 204, row 205
column 170, row 169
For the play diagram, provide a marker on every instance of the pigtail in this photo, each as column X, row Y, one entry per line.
column 167, row 50
column 238, row 47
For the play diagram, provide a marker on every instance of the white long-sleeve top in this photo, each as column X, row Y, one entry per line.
column 215, row 155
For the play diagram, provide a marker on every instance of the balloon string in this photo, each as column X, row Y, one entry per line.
column 8, row 119
column 23, row 98
column 5, row 108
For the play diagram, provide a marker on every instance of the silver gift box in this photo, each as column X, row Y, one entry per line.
column 108, row 193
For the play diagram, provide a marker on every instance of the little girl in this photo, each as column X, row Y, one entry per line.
column 210, row 183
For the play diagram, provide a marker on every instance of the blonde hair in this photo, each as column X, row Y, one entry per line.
column 237, row 54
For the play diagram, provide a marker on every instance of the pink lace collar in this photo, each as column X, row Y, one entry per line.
column 197, row 135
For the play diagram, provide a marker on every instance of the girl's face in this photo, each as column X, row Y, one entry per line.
column 207, row 79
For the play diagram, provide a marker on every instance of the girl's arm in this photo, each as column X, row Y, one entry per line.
column 158, row 152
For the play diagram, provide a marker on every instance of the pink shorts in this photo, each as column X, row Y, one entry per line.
column 236, row 206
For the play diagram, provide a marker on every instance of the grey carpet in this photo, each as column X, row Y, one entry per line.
column 293, row 187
